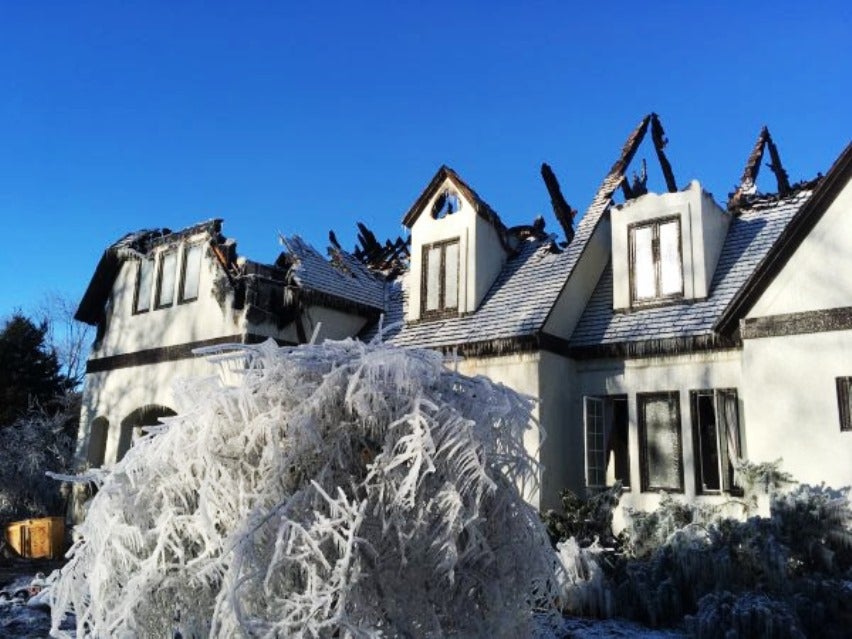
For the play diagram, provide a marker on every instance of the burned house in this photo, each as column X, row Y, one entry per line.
column 664, row 335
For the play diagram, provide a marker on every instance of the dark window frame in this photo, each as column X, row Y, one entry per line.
column 442, row 310
column 161, row 258
column 181, row 299
column 644, row 462
column 607, row 402
column 655, row 224
column 136, row 287
column 844, row 389
column 725, row 463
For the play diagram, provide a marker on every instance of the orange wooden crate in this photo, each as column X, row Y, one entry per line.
column 37, row 538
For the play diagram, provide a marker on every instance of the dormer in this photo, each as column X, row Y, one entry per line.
column 665, row 247
column 458, row 247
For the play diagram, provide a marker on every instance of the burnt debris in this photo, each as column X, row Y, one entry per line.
column 747, row 189
column 561, row 209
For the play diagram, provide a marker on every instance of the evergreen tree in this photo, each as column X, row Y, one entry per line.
column 29, row 369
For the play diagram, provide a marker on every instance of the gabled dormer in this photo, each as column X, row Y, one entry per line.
column 665, row 247
column 458, row 247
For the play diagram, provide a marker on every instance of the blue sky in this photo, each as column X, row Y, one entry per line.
column 301, row 118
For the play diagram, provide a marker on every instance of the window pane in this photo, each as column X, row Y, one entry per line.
column 707, row 442
column 166, row 292
column 618, row 441
column 595, row 445
column 671, row 276
column 451, row 281
column 644, row 286
column 844, row 402
column 662, row 442
column 191, row 272
column 433, row 277
column 143, row 285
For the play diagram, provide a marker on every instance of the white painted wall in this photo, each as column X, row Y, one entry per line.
column 519, row 372
column 178, row 324
column 578, row 289
column 562, row 451
column 703, row 226
column 791, row 407
column 481, row 254
column 681, row 373
column 819, row 273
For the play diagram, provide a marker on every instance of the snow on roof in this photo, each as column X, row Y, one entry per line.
column 344, row 276
column 750, row 238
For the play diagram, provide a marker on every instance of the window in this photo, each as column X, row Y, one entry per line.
column 607, row 454
column 166, row 280
column 716, row 438
column 191, row 272
column 661, row 462
column 445, row 204
column 656, row 268
column 440, row 279
column 144, row 277
column 844, row 402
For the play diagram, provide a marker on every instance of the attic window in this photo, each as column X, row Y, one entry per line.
column 166, row 279
column 440, row 279
column 446, row 204
column 190, row 273
column 656, row 267
column 144, row 279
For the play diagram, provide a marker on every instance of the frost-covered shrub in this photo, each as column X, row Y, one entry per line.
column 647, row 531
column 816, row 522
column 338, row 490
column 744, row 615
column 583, row 584
column 586, row 520
column 40, row 441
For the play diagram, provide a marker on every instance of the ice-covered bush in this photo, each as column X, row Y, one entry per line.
column 337, row 490
column 40, row 440
column 585, row 519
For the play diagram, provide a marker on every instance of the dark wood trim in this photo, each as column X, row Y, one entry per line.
column 158, row 293
column 655, row 224
column 182, row 282
column 443, row 310
column 844, row 387
column 170, row 353
column 708, row 342
column 796, row 231
column 673, row 397
column 135, row 310
column 830, row 319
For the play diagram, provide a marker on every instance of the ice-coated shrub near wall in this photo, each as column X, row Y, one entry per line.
column 337, row 490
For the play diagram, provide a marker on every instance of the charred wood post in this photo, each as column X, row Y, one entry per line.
column 748, row 181
column 561, row 209
column 660, row 141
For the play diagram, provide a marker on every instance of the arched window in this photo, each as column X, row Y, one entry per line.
column 131, row 426
column 98, row 434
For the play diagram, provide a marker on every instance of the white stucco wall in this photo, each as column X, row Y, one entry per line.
column 519, row 372
column 117, row 393
column 682, row 373
column 819, row 273
column 562, row 451
column 578, row 289
column 200, row 319
column 792, row 410
column 703, row 226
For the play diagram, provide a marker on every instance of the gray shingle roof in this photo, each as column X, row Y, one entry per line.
column 343, row 277
column 750, row 237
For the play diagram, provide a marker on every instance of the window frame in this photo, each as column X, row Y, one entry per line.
column 644, row 465
column 181, row 288
column 442, row 310
column 655, row 225
column 844, row 389
column 138, row 283
column 161, row 258
column 724, row 454
column 607, row 403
